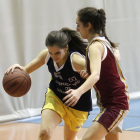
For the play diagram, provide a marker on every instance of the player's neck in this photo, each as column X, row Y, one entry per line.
column 91, row 36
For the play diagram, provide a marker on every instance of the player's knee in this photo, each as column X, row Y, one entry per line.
column 45, row 134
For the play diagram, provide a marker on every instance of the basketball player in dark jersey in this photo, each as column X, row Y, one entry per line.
column 64, row 57
column 105, row 76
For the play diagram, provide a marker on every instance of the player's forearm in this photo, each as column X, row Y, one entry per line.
column 37, row 62
column 88, row 84
column 32, row 66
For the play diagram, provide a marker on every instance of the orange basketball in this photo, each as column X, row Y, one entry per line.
column 17, row 83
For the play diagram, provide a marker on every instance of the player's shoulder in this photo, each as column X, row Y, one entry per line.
column 43, row 52
column 96, row 46
column 78, row 61
column 76, row 56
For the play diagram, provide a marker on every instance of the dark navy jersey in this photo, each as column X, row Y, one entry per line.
column 65, row 78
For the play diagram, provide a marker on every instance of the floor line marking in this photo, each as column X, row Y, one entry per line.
column 132, row 128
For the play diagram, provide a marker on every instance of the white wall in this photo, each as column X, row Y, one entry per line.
column 24, row 25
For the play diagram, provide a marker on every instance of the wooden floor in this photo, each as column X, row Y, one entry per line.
column 29, row 131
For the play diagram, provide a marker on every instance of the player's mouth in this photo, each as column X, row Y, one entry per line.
column 55, row 59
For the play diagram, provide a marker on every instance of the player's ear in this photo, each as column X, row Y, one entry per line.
column 67, row 47
column 88, row 25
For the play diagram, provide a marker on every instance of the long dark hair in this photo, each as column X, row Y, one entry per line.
column 97, row 18
column 66, row 36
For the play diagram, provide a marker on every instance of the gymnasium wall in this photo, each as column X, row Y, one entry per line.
column 24, row 25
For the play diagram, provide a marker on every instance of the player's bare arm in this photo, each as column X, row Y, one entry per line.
column 37, row 62
column 96, row 52
column 79, row 62
column 33, row 65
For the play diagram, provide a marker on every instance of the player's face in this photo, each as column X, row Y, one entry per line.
column 83, row 30
column 57, row 53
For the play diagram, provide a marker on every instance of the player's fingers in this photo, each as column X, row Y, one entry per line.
column 74, row 103
column 86, row 75
column 20, row 67
column 69, row 91
column 82, row 72
column 79, row 71
column 16, row 66
column 70, row 102
column 7, row 71
column 12, row 70
column 67, row 97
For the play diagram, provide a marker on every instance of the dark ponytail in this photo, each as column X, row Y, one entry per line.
column 97, row 18
column 76, row 43
column 66, row 36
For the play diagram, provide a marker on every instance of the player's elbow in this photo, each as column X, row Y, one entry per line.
column 97, row 77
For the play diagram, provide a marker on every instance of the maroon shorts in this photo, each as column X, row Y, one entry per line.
column 111, row 118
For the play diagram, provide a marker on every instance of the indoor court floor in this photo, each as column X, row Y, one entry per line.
column 28, row 129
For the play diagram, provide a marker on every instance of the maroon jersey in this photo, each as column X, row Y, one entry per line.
column 111, row 89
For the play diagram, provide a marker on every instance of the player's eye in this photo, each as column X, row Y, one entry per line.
column 57, row 53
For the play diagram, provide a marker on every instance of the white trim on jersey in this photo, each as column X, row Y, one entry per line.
column 105, row 48
column 47, row 58
column 55, row 65
column 71, row 59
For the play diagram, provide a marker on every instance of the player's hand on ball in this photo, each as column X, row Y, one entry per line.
column 83, row 74
column 11, row 68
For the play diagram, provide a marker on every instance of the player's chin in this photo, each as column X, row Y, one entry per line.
column 56, row 60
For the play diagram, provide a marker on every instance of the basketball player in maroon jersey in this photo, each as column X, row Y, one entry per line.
column 105, row 76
